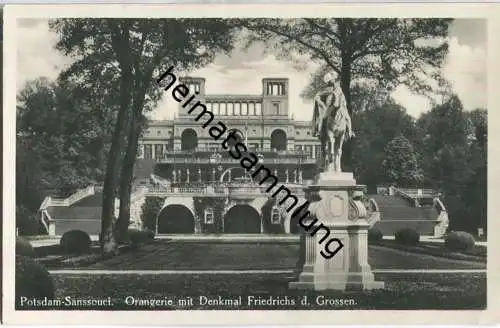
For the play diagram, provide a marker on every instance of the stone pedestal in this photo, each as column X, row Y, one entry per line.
column 343, row 218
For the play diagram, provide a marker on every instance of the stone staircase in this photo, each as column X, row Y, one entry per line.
column 399, row 211
column 82, row 211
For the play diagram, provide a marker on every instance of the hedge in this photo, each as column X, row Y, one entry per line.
column 24, row 248
column 32, row 280
column 75, row 241
column 407, row 236
column 459, row 241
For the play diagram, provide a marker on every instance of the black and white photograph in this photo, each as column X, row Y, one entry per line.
column 232, row 161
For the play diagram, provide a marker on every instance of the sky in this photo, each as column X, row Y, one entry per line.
column 242, row 71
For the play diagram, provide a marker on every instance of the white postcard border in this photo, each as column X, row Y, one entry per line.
column 255, row 317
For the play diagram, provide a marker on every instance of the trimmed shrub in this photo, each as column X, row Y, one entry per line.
column 24, row 248
column 138, row 237
column 374, row 235
column 459, row 241
column 32, row 280
column 407, row 236
column 75, row 241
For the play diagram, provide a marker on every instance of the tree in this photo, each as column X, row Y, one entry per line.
column 400, row 165
column 445, row 130
column 59, row 144
column 454, row 160
column 136, row 50
column 376, row 127
column 59, row 140
column 383, row 52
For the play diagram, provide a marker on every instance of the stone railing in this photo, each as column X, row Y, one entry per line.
column 403, row 194
column 233, row 188
column 417, row 192
column 78, row 195
column 197, row 160
column 46, row 203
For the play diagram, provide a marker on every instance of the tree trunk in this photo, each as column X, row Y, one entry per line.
column 107, row 238
column 126, row 179
column 127, row 174
column 345, row 83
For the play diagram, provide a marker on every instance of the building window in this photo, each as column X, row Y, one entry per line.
column 158, row 132
column 309, row 151
column 237, row 107
column 298, row 148
column 275, row 89
column 244, row 109
column 148, row 151
column 254, row 146
column 317, row 151
column 251, row 109
column 159, row 151
column 209, row 216
column 223, row 109
column 308, row 133
column 275, row 215
column 197, row 88
column 258, row 109
column 297, row 133
column 276, row 108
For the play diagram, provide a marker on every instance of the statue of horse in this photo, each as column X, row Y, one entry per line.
column 332, row 125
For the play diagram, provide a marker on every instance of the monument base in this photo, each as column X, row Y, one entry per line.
column 341, row 223
column 336, row 282
column 335, row 179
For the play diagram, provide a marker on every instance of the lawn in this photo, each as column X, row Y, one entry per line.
column 181, row 255
column 403, row 291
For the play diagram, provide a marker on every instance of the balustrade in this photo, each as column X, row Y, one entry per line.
column 191, row 160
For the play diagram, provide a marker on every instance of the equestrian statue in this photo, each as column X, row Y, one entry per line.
column 331, row 123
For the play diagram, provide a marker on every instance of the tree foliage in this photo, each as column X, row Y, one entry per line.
column 134, row 51
column 454, row 160
column 60, row 142
column 375, row 128
column 383, row 53
column 400, row 165
column 389, row 52
column 150, row 211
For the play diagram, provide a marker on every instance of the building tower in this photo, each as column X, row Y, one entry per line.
column 196, row 86
column 275, row 97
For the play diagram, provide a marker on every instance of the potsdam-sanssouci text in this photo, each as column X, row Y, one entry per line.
column 66, row 301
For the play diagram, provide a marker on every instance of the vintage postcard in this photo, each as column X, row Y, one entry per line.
column 250, row 164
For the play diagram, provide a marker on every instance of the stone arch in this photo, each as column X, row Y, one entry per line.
column 236, row 171
column 268, row 207
column 189, row 139
column 176, row 216
column 278, row 139
column 242, row 218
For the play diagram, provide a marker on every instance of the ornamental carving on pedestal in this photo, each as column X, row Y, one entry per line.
column 357, row 209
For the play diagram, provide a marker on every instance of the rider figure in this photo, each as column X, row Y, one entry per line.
column 324, row 97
